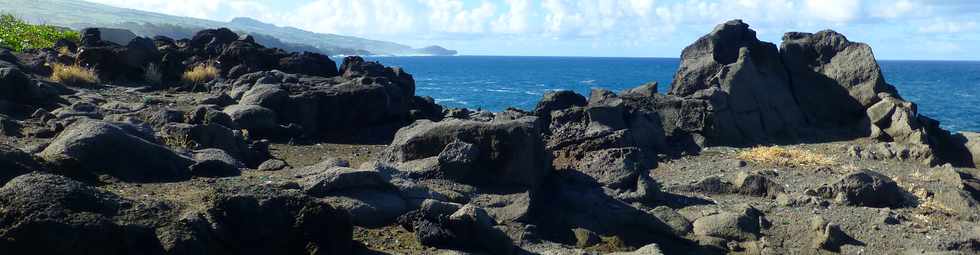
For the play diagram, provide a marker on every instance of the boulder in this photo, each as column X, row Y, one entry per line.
column 14, row 162
column 15, row 86
column 253, row 118
column 246, row 54
column 211, row 40
column 828, row 236
column 265, row 95
column 53, row 214
column 272, row 165
column 308, row 63
column 474, row 227
column 742, row 224
column 865, row 188
column 834, row 79
column 212, row 136
column 371, row 200
column 895, row 151
column 606, row 141
column 98, row 146
column 894, row 119
column 650, row 249
column 209, row 114
column 745, row 84
column 509, row 152
column 558, row 100
column 262, row 220
column 215, row 163
column 755, row 184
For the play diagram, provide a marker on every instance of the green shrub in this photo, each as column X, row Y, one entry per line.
column 19, row 35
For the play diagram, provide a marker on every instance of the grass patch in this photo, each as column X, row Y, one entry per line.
column 19, row 35
column 73, row 75
column 153, row 75
column 200, row 74
column 786, row 157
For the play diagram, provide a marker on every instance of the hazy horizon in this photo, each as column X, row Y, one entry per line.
column 896, row 30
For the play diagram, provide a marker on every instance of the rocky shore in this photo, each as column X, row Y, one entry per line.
column 801, row 148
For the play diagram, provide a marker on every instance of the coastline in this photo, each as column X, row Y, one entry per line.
column 753, row 149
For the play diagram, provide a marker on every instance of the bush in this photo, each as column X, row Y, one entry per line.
column 73, row 75
column 19, row 35
column 200, row 74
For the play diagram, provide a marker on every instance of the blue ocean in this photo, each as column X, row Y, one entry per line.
column 945, row 90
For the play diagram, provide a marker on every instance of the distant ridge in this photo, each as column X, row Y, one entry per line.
column 80, row 14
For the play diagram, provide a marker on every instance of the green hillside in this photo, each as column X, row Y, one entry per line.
column 79, row 14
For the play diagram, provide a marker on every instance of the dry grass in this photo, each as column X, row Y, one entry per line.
column 64, row 51
column 200, row 74
column 180, row 142
column 152, row 74
column 785, row 157
column 73, row 75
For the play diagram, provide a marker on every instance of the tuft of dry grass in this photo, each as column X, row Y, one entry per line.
column 200, row 74
column 152, row 74
column 785, row 157
column 180, row 142
column 64, row 51
column 73, row 75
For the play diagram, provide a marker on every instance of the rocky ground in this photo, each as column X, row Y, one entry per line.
column 284, row 153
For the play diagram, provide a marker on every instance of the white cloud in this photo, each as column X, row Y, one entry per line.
column 948, row 27
column 514, row 21
column 840, row 11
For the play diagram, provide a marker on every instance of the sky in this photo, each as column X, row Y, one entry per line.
column 896, row 29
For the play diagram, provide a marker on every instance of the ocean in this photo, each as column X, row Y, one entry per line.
column 948, row 91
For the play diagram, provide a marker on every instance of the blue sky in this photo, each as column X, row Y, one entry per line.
column 896, row 29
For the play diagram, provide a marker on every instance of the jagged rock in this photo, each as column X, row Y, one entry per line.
column 605, row 141
column 865, row 188
column 558, row 100
column 742, row 224
column 894, row 119
column 826, row 67
column 745, row 84
column 253, row 118
column 971, row 141
column 309, row 63
column 17, row 86
column 14, row 162
column 510, row 152
column 245, row 53
column 215, row 163
column 211, row 38
column 646, row 90
column 9, row 127
column 92, row 145
column 52, row 214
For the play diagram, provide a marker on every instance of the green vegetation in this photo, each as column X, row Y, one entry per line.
column 19, row 35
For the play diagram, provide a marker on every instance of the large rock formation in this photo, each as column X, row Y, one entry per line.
column 744, row 84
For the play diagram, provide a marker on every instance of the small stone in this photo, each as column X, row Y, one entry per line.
column 585, row 238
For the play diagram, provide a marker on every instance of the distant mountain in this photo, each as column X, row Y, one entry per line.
column 80, row 14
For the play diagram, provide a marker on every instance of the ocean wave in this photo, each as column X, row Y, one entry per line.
column 588, row 81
